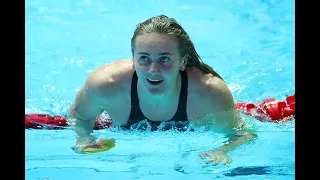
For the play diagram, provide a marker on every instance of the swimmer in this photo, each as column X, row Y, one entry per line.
column 164, row 81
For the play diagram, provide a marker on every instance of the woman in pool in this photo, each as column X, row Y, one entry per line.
column 165, row 81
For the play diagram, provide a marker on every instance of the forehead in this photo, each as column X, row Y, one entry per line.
column 156, row 43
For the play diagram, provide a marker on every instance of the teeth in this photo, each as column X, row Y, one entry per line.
column 154, row 80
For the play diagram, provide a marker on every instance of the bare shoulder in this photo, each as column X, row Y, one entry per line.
column 113, row 76
column 211, row 90
column 210, row 101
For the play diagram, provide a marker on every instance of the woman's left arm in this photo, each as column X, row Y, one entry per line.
column 222, row 116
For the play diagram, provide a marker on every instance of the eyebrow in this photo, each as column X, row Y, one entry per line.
column 161, row 54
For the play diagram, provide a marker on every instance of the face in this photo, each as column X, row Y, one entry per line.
column 157, row 62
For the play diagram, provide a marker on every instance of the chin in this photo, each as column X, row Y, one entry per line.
column 157, row 92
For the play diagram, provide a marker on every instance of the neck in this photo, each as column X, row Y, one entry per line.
column 166, row 99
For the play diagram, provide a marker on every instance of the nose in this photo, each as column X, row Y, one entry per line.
column 154, row 68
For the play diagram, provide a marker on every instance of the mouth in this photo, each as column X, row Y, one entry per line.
column 154, row 82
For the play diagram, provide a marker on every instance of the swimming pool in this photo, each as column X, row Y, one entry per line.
column 250, row 43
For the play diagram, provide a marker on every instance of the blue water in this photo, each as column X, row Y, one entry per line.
column 249, row 42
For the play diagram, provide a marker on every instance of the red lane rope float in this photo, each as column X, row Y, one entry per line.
column 46, row 121
column 269, row 110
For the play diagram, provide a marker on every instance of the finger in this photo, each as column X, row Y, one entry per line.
column 218, row 160
column 203, row 155
column 74, row 148
column 77, row 149
column 227, row 160
column 212, row 160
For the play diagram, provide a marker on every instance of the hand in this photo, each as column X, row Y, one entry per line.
column 217, row 156
column 83, row 142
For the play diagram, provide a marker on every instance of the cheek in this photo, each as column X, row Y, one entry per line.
column 167, row 66
column 171, row 65
column 139, row 65
column 142, row 64
column 170, row 68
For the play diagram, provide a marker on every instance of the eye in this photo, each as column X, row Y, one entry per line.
column 165, row 59
column 144, row 59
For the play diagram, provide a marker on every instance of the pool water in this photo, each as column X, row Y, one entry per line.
column 250, row 43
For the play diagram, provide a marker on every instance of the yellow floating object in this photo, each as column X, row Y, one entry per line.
column 102, row 145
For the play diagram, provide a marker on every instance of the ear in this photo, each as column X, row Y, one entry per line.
column 183, row 63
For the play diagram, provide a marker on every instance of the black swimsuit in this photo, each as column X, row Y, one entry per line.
column 179, row 121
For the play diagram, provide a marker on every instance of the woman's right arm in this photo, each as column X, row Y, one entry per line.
column 84, row 110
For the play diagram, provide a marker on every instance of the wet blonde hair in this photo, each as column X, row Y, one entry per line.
column 164, row 25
